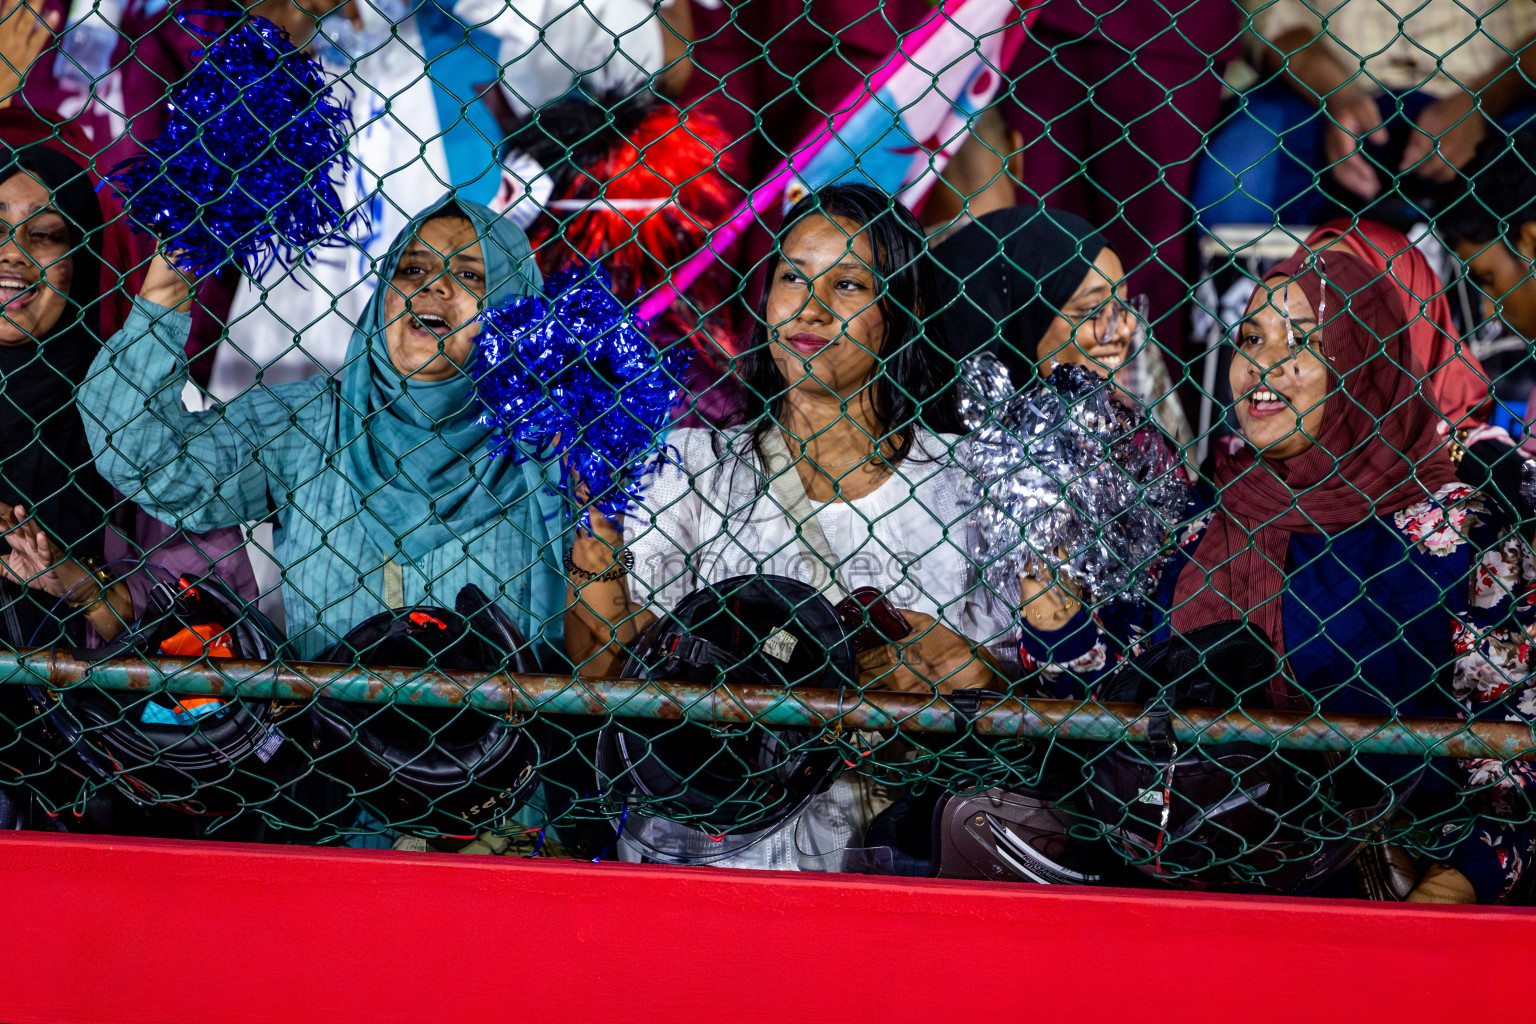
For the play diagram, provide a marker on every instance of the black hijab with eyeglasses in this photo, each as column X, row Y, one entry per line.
column 1004, row 278
column 45, row 461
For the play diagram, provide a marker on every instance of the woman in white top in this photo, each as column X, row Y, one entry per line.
column 850, row 399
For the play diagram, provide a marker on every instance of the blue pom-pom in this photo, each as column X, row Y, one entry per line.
column 574, row 377
column 244, row 170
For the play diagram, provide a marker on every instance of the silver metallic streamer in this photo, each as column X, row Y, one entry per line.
column 1290, row 329
column 1322, row 300
column 1528, row 483
column 1071, row 477
column 984, row 386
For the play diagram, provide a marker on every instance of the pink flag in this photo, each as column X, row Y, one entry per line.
column 897, row 130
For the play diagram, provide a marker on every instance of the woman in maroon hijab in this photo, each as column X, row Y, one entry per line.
column 1339, row 529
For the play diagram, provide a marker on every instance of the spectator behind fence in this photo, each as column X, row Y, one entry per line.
column 63, row 150
column 1113, row 101
column 53, row 504
column 844, row 397
column 1492, row 228
column 49, row 438
column 1389, row 96
column 1038, row 288
column 1455, row 382
column 1342, row 532
column 379, row 481
column 842, row 474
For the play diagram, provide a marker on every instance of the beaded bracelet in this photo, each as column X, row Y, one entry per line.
column 626, row 562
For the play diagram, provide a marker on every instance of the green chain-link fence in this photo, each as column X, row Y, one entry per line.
column 1097, row 456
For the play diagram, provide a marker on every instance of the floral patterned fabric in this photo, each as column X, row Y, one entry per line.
column 1427, row 611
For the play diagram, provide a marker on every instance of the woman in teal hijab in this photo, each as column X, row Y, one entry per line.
column 379, row 481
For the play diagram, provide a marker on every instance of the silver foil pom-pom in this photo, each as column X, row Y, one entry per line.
column 984, row 386
column 1072, row 478
column 1528, row 483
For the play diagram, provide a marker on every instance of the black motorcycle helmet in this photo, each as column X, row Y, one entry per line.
column 448, row 771
column 1012, row 835
column 1230, row 815
column 728, row 785
column 204, row 756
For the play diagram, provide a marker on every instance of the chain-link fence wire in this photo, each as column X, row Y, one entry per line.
column 1050, row 533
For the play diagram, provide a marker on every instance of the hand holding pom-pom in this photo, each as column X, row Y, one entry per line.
column 243, row 171
column 575, row 378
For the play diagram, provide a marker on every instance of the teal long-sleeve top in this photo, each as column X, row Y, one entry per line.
column 274, row 452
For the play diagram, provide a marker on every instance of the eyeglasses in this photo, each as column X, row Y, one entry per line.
column 1113, row 316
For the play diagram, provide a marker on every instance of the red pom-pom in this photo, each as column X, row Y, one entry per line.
column 645, row 204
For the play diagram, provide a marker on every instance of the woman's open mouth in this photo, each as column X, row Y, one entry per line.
column 15, row 293
column 430, row 323
column 808, row 343
column 1264, row 402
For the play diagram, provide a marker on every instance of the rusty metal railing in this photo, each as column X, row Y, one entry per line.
column 528, row 694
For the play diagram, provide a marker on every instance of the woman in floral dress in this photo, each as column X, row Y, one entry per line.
column 1339, row 528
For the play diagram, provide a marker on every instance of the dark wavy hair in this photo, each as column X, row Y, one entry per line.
column 1499, row 192
column 915, row 379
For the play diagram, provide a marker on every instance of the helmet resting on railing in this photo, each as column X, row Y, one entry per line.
column 703, row 792
column 1227, row 815
column 201, row 755
column 432, row 770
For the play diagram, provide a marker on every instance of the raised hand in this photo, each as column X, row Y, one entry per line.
column 24, row 33
column 167, row 284
column 1352, row 117
column 1450, row 129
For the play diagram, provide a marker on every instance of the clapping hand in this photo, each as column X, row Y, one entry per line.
column 34, row 559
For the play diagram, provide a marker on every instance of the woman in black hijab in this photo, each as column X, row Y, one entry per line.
column 1038, row 288
column 53, row 505
column 1015, row 274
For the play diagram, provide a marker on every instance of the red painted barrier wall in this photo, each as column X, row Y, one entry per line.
column 123, row 932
